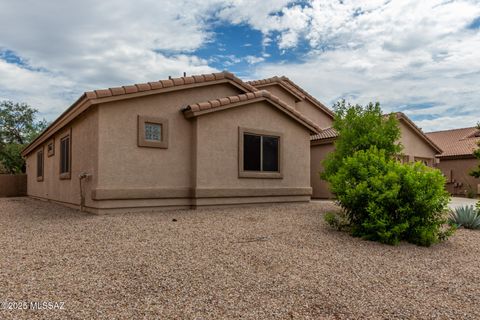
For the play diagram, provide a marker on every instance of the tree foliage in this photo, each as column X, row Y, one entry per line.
column 476, row 172
column 18, row 127
column 360, row 128
column 383, row 199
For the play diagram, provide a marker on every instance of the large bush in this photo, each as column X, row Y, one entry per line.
column 388, row 201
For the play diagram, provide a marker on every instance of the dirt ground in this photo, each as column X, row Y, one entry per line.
column 266, row 262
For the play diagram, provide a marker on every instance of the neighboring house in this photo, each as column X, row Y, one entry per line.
column 180, row 143
column 457, row 160
column 416, row 147
column 291, row 93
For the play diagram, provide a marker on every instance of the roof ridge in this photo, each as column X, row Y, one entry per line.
column 171, row 82
column 456, row 129
column 220, row 102
column 294, row 87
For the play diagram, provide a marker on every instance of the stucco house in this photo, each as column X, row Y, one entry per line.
column 417, row 146
column 180, row 143
column 457, row 160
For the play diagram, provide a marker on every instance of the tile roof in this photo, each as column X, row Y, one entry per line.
column 456, row 142
column 327, row 133
column 330, row 133
column 231, row 101
column 89, row 98
column 294, row 88
column 161, row 84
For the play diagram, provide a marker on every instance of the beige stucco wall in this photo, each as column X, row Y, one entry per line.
column 281, row 93
column 456, row 171
column 312, row 112
column 415, row 147
column 124, row 165
column 84, row 146
column 218, row 149
column 318, row 153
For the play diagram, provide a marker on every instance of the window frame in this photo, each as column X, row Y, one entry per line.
column 52, row 152
column 259, row 174
column 66, row 175
column 142, row 142
column 40, row 151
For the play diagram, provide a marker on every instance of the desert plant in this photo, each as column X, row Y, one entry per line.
column 388, row 201
column 337, row 220
column 465, row 216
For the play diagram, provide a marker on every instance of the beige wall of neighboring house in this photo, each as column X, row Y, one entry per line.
column 417, row 147
column 318, row 153
column 198, row 164
column 459, row 181
column 311, row 111
column 457, row 160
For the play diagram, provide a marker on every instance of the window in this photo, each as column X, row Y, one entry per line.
column 65, row 157
column 152, row 132
column 40, row 165
column 259, row 155
column 51, row 148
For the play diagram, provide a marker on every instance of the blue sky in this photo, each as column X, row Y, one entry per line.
column 419, row 57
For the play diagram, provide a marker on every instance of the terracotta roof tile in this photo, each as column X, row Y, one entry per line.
column 327, row 133
column 130, row 89
column 117, row 91
column 212, row 104
column 103, row 93
column 167, row 83
column 143, row 87
column 155, row 85
column 456, row 142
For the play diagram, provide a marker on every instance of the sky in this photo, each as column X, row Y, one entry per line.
column 418, row 57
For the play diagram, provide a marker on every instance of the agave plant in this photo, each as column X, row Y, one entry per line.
column 466, row 216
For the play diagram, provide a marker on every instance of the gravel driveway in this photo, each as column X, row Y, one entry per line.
column 277, row 262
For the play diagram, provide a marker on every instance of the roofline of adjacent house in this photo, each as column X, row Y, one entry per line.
column 297, row 91
column 202, row 108
column 402, row 116
column 456, row 129
column 90, row 98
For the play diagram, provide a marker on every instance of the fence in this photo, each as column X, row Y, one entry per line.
column 13, row 185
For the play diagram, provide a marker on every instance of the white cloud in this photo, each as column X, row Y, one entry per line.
column 401, row 53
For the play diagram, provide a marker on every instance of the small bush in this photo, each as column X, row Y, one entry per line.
column 387, row 201
column 337, row 221
column 465, row 216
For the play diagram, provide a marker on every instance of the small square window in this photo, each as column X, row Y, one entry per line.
column 51, row 148
column 152, row 132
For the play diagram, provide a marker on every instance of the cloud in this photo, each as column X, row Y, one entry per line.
column 397, row 52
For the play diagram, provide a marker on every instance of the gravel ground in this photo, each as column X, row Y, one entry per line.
column 276, row 262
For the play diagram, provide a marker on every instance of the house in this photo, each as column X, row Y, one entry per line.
column 416, row 147
column 457, row 160
column 185, row 142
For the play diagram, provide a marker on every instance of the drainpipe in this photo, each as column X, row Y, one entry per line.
column 82, row 176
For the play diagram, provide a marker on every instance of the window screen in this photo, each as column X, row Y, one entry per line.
column 65, row 155
column 260, row 153
column 40, row 164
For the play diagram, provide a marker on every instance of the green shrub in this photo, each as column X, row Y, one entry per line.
column 337, row 221
column 465, row 216
column 388, row 201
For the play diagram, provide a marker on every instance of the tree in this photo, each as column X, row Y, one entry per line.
column 382, row 199
column 360, row 128
column 18, row 127
column 476, row 172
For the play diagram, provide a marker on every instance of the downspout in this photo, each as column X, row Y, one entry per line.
column 82, row 176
